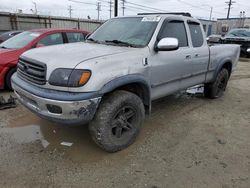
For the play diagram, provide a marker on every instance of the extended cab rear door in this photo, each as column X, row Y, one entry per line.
column 199, row 55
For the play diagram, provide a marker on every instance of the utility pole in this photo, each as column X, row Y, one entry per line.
column 98, row 10
column 123, row 6
column 116, row 8
column 70, row 11
column 211, row 12
column 110, row 8
column 35, row 12
column 230, row 3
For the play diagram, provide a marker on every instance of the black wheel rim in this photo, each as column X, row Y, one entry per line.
column 221, row 86
column 123, row 121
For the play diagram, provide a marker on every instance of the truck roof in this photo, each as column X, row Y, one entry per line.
column 174, row 15
column 187, row 14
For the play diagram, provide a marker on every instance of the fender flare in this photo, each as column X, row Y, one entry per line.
column 219, row 67
column 129, row 79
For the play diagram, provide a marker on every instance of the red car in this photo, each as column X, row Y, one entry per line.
column 11, row 49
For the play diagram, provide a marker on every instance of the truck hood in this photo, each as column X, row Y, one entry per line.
column 70, row 55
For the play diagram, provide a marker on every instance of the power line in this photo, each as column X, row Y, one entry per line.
column 143, row 6
column 198, row 7
column 98, row 8
column 75, row 1
column 138, row 8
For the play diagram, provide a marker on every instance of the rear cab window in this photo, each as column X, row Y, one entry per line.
column 196, row 34
column 175, row 29
column 75, row 37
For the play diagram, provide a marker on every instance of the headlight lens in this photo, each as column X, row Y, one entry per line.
column 69, row 77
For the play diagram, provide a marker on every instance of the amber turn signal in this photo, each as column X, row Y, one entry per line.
column 84, row 78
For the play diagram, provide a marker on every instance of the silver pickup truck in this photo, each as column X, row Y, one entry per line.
column 110, row 80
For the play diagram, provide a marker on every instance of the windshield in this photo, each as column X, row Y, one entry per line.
column 133, row 31
column 239, row 33
column 19, row 41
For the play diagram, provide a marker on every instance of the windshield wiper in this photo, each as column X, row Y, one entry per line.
column 244, row 35
column 121, row 42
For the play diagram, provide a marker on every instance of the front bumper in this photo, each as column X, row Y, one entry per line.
column 60, row 111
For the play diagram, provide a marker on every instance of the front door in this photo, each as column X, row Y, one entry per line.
column 169, row 67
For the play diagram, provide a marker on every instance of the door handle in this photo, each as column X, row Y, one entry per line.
column 196, row 55
column 188, row 56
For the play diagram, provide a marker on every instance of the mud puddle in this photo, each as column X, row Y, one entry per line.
column 29, row 129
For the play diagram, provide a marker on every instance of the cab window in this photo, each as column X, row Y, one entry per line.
column 52, row 39
column 196, row 34
column 75, row 37
column 175, row 29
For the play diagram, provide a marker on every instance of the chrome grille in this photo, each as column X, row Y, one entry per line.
column 32, row 71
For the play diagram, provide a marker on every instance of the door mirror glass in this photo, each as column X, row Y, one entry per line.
column 168, row 44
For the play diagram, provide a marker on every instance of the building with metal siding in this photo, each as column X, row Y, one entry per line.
column 224, row 25
column 9, row 21
column 209, row 26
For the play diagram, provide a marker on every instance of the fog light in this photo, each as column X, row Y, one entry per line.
column 54, row 109
column 248, row 50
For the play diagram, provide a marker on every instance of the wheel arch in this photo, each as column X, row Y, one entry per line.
column 10, row 68
column 132, row 83
column 227, row 64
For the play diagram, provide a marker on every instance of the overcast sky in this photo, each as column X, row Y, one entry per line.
column 198, row 8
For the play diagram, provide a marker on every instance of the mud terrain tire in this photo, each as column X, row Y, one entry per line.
column 118, row 121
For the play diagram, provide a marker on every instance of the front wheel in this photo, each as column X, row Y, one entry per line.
column 216, row 89
column 118, row 121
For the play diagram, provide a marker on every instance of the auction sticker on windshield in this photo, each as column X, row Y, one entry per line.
column 151, row 19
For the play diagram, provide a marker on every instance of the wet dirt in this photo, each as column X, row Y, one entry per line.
column 187, row 141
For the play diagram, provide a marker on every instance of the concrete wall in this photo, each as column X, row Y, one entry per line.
column 10, row 21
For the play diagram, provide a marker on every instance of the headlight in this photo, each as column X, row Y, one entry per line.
column 69, row 77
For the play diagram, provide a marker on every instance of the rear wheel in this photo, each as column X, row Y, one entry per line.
column 118, row 121
column 216, row 89
column 8, row 78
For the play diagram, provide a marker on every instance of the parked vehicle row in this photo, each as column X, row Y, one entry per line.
column 11, row 49
column 111, row 80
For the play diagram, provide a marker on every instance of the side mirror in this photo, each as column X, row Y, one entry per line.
column 40, row 45
column 168, row 44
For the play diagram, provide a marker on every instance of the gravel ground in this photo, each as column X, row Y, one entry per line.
column 188, row 141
